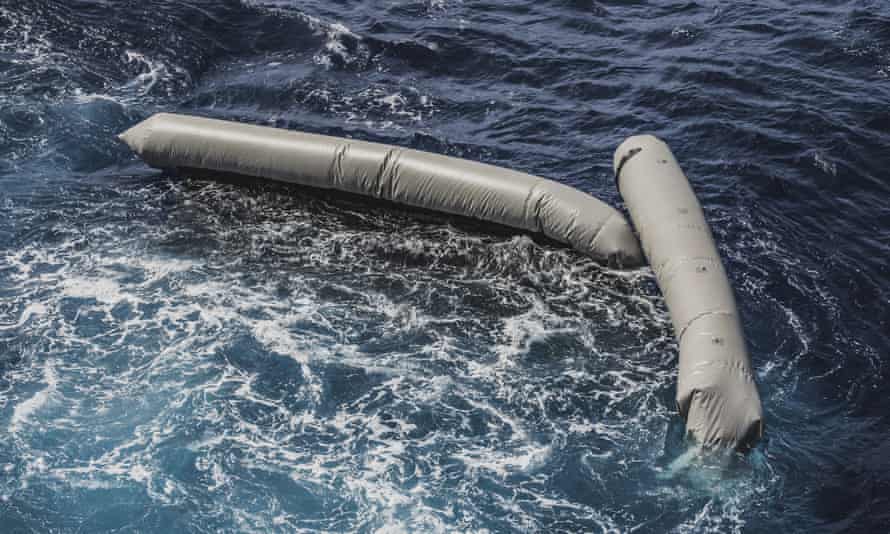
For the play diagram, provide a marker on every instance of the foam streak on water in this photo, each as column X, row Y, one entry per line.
column 178, row 354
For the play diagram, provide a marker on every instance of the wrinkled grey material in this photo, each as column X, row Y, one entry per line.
column 716, row 393
column 400, row 175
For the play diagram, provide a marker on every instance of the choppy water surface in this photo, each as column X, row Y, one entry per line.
column 178, row 354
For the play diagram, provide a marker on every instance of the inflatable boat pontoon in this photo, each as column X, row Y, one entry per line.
column 716, row 393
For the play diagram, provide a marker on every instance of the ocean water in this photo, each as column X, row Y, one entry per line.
column 185, row 355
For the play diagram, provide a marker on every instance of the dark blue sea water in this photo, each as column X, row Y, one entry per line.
column 184, row 355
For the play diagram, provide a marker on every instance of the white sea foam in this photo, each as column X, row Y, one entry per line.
column 34, row 309
column 23, row 411
column 154, row 72
column 390, row 395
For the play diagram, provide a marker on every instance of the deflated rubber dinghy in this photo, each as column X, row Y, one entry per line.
column 716, row 393
column 399, row 175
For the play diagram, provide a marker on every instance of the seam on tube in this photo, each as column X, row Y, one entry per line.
column 536, row 210
column 624, row 159
column 600, row 231
column 696, row 318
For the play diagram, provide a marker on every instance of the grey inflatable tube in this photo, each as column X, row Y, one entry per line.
column 716, row 393
column 399, row 175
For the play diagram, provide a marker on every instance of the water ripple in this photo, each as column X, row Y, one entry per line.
column 208, row 356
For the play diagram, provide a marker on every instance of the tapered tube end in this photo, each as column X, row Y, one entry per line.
column 716, row 393
column 137, row 136
column 717, row 421
column 133, row 137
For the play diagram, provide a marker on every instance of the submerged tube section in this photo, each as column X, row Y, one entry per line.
column 400, row 175
column 716, row 393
